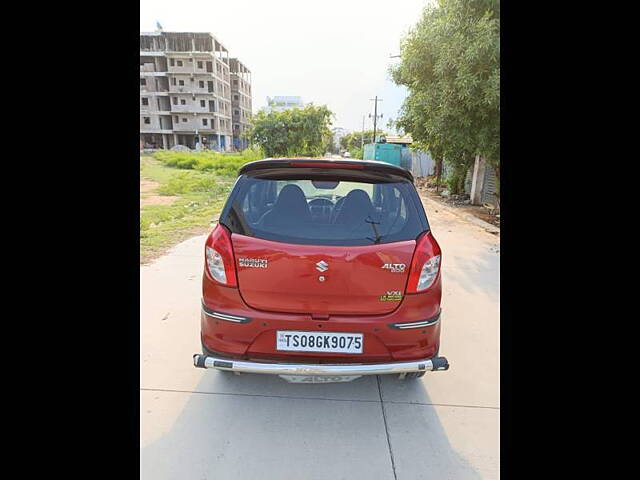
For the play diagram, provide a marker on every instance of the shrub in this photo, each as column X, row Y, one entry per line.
column 357, row 153
column 455, row 180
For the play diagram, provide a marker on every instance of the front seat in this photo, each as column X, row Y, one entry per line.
column 290, row 208
column 355, row 209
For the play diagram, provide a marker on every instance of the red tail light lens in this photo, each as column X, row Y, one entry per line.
column 425, row 266
column 219, row 257
column 329, row 164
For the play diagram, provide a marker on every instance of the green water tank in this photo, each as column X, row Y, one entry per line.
column 383, row 152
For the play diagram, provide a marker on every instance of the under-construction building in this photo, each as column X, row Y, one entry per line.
column 186, row 92
column 240, row 101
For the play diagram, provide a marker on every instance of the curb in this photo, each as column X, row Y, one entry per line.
column 465, row 216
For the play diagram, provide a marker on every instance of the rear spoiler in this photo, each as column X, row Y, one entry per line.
column 326, row 163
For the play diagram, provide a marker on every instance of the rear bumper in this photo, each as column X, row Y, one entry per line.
column 230, row 328
column 242, row 366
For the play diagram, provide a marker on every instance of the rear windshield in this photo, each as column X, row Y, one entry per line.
column 325, row 211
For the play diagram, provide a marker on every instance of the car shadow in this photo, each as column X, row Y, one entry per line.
column 293, row 431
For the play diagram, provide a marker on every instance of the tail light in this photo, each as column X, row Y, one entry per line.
column 425, row 265
column 326, row 164
column 219, row 257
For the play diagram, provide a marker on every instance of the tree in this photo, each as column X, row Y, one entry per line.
column 353, row 141
column 391, row 125
column 329, row 143
column 295, row 132
column 451, row 67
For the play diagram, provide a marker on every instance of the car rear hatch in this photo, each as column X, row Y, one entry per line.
column 321, row 280
column 323, row 238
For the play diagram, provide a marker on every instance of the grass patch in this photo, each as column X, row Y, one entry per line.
column 224, row 165
column 201, row 195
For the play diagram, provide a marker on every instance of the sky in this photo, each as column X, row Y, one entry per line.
column 332, row 52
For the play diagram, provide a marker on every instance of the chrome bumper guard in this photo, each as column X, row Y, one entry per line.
column 241, row 366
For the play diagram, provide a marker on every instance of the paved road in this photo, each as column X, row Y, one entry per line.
column 203, row 424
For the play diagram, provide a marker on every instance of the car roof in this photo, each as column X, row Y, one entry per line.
column 324, row 162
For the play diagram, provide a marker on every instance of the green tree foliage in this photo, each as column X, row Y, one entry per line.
column 357, row 153
column 451, row 67
column 353, row 141
column 295, row 132
column 391, row 125
column 329, row 143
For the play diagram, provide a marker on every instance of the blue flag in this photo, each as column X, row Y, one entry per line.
column 158, row 25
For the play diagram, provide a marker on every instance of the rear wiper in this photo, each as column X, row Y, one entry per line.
column 375, row 230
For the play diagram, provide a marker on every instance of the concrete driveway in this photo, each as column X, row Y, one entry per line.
column 204, row 424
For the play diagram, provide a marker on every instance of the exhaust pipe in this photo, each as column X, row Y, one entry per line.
column 439, row 363
column 241, row 366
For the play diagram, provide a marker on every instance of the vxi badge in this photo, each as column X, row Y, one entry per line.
column 395, row 267
column 391, row 296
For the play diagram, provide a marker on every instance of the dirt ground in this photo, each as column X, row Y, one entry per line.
column 476, row 210
column 147, row 197
column 147, row 186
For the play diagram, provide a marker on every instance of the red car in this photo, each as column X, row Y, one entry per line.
column 322, row 270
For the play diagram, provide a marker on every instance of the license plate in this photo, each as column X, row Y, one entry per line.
column 332, row 342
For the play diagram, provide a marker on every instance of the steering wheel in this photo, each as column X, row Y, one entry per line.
column 321, row 208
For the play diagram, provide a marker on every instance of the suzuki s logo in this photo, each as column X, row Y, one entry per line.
column 394, row 267
column 322, row 266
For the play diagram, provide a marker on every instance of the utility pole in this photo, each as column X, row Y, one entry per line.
column 375, row 116
column 362, row 135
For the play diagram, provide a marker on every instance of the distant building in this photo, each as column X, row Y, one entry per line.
column 240, row 101
column 338, row 133
column 282, row 103
column 186, row 91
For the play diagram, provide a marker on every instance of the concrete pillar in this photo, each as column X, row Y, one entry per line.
column 175, row 139
column 164, row 141
column 477, row 180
